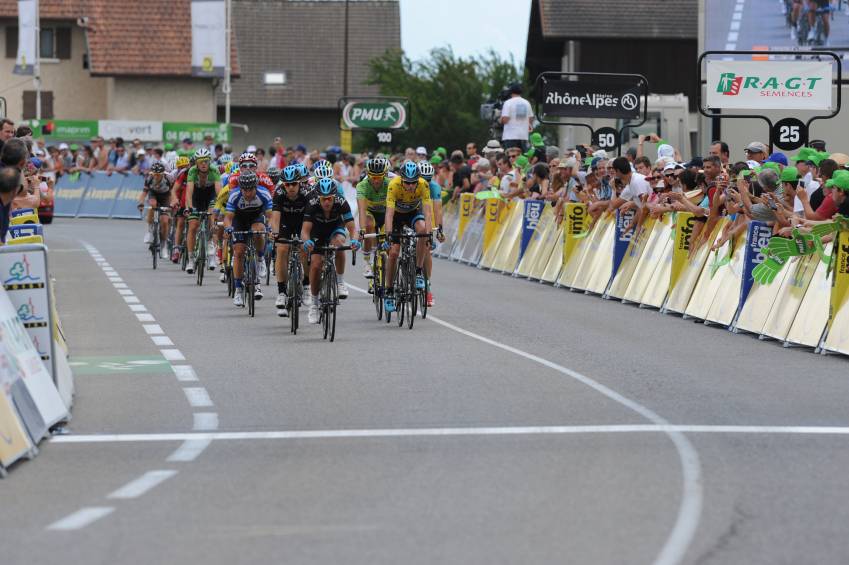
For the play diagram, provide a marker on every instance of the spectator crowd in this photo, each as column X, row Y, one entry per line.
column 651, row 178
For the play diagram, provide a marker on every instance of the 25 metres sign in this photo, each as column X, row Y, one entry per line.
column 592, row 97
column 374, row 114
column 769, row 85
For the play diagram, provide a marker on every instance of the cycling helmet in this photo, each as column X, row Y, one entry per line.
column 323, row 170
column 202, row 153
column 225, row 158
column 247, row 158
column 247, row 180
column 409, row 171
column 192, row 161
column 274, row 174
column 426, row 170
column 290, row 173
column 182, row 162
column 157, row 167
column 326, row 187
column 377, row 166
column 302, row 170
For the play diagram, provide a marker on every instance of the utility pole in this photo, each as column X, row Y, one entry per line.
column 345, row 70
column 37, row 66
column 227, row 70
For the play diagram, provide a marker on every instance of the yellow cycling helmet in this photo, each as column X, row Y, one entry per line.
column 182, row 162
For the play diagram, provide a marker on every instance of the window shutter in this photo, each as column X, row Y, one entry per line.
column 46, row 105
column 29, row 104
column 11, row 42
column 63, row 43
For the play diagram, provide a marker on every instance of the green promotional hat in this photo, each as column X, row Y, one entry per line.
column 809, row 154
column 536, row 140
column 435, row 160
column 744, row 173
column 770, row 165
column 588, row 162
column 442, row 151
column 169, row 146
column 522, row 162
column 839, row 180
column 74, row 147
column 790, row 174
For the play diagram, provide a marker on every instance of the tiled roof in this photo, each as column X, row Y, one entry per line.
column 128, row 37
column 656, row 19
column 305, row 39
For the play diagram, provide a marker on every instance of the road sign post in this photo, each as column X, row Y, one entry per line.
column 380, row 114
column 786, row 80
column 593, row 95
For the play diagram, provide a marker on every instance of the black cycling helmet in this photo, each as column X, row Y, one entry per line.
column 377, row 166
column 274, row 174
column 247, row 180
column 157, row 167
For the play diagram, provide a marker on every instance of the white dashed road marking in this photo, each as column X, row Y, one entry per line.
column 81, row 518
column 146, row 482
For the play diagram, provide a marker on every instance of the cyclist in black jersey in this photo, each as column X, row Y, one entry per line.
column 287, row 217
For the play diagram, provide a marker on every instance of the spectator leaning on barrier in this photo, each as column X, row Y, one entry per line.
column 633, row 189
column 517, row 117
column 10, row 184
column 461, row 180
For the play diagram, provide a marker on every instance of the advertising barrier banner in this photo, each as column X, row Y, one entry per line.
column 101, row 194
column 68, row 194
column 492, row 216
column 530, row 219
column 575, row 224
column 623, row 236
column 126, row 202
column 467, row 203
column 683, row 229
column 757, row 238
column 769, row 85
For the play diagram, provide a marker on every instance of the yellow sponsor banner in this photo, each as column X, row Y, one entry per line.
column 493, row 210
column 800, row 272
column 727, row 298
column 710, row 281
column 555, row 260
column 24, row 219
column 838, row 323
column 602, row 266
column 578, row 256
column 576, row 221
column 683, row 229
column 507, row 254
column 631, row 260
column 651, row 259
column 602, row 231
column 812, row 317
column 680, row 294
column 504, row 219
column 535, row 245
column 467, row 204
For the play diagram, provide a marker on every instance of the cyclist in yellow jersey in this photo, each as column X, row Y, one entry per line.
column 407, row 204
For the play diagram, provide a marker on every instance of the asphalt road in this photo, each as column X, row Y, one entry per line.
column 743, row 25
column 525, row 424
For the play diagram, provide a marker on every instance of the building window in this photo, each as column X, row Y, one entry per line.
column 55, row 42
column 274, row 78
column 46, row 105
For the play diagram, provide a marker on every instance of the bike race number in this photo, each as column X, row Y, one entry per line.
column 789, row 134
column 384, row 137
column 606, row 138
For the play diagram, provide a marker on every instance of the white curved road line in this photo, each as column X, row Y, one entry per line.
column 690, row 509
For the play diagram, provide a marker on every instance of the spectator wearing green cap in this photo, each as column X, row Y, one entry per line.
column 829, row 206
column 789, row 179
column 536, row 152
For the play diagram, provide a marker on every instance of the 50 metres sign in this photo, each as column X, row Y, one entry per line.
column 373, row 114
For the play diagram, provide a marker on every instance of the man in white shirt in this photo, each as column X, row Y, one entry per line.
column 516, row 116
column 634, row 193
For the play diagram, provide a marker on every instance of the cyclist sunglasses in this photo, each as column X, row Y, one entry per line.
column 247, row 166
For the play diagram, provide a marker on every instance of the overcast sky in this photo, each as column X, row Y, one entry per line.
column 469, row 27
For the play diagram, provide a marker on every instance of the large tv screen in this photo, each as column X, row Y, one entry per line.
column 776, row 25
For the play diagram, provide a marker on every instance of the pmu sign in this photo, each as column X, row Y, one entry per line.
column 374, row 114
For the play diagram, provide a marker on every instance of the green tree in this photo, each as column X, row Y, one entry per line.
column 445, row 94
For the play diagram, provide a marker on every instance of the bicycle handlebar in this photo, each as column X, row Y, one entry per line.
column 249, row 232
column 329, row 248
